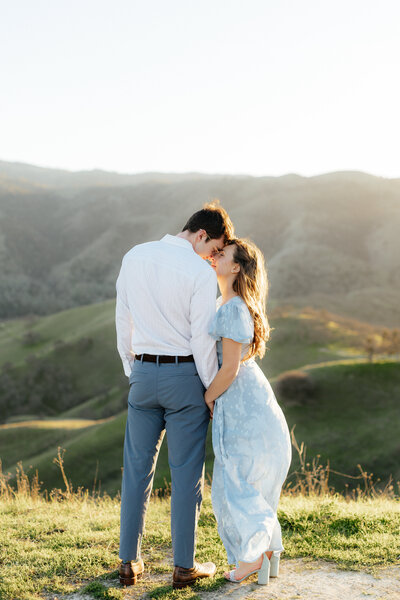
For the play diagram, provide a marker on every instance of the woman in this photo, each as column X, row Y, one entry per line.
column 250, row 435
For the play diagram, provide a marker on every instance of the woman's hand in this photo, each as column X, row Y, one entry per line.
column 231, row 352
column 210, row 404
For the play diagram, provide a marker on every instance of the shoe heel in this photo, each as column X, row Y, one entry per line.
column 128, row 580
column 274, row 566
column 180, row 585
column 263, row 573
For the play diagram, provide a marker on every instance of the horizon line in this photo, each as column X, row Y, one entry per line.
column 194, row 172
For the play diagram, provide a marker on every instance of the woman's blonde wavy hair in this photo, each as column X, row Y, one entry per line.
column 251, row 284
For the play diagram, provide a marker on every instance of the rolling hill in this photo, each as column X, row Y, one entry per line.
column 330, row 241
column 352, row 417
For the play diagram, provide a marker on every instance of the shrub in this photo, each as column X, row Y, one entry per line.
column 84, row 344
column 295, row 385
column 31, row 338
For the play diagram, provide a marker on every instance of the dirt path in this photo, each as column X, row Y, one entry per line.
column 301, row 580
column 298, row 580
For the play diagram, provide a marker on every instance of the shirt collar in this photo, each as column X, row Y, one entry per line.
column 177, row 241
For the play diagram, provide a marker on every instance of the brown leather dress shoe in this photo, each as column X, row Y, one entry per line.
column 183, row 577
column 129, row 572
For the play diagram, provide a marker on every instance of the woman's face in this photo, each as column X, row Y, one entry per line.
column 223, row 263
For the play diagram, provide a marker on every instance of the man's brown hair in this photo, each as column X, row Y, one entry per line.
column 213, row 219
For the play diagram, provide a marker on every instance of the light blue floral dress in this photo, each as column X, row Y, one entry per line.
column 252, row 448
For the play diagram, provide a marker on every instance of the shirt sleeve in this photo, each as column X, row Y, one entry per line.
column 202, row 312
column 233, row 321
column 124, row 323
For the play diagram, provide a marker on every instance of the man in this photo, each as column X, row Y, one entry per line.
column 166, row 297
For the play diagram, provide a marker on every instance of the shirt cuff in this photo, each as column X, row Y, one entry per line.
column 127, row 364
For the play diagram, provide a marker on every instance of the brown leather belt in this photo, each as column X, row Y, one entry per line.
column 164, row 359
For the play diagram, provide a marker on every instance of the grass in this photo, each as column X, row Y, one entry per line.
column 71, row 544
column 81, row 340
column 309, row 336
column 69, row 326
column 54, row 424
column 49, row 548
column 67, row 541
column 63, row 545
column 93, row 452
column 358, row 534
column 353, row 413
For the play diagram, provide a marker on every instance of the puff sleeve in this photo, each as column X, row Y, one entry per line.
column 234, row 321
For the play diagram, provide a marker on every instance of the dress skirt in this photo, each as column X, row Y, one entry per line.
column 252, row 448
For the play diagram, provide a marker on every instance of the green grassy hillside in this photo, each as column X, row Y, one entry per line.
column 364, row 430
column 83, row 339
column 352, row 417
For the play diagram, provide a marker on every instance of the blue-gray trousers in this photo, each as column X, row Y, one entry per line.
column 168, row 396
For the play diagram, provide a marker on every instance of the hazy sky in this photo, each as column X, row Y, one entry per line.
column 264, row 87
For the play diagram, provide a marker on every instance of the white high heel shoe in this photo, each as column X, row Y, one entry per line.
column 263, row 572
column 274, row 565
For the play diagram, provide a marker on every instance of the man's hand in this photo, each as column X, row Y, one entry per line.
column 210, row 404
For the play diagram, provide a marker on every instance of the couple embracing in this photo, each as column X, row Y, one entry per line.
column 190, row 358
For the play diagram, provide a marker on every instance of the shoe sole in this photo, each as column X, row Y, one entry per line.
column 130, row 580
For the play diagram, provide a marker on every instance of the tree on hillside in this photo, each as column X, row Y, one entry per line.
column 371, row 346
column 389, row 342
column 394, row 342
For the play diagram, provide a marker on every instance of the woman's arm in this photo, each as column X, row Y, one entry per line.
column 231, row 355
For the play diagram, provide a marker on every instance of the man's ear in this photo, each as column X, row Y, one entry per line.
column 202, row 233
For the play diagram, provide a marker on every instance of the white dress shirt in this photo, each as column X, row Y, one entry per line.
column 165, row 303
